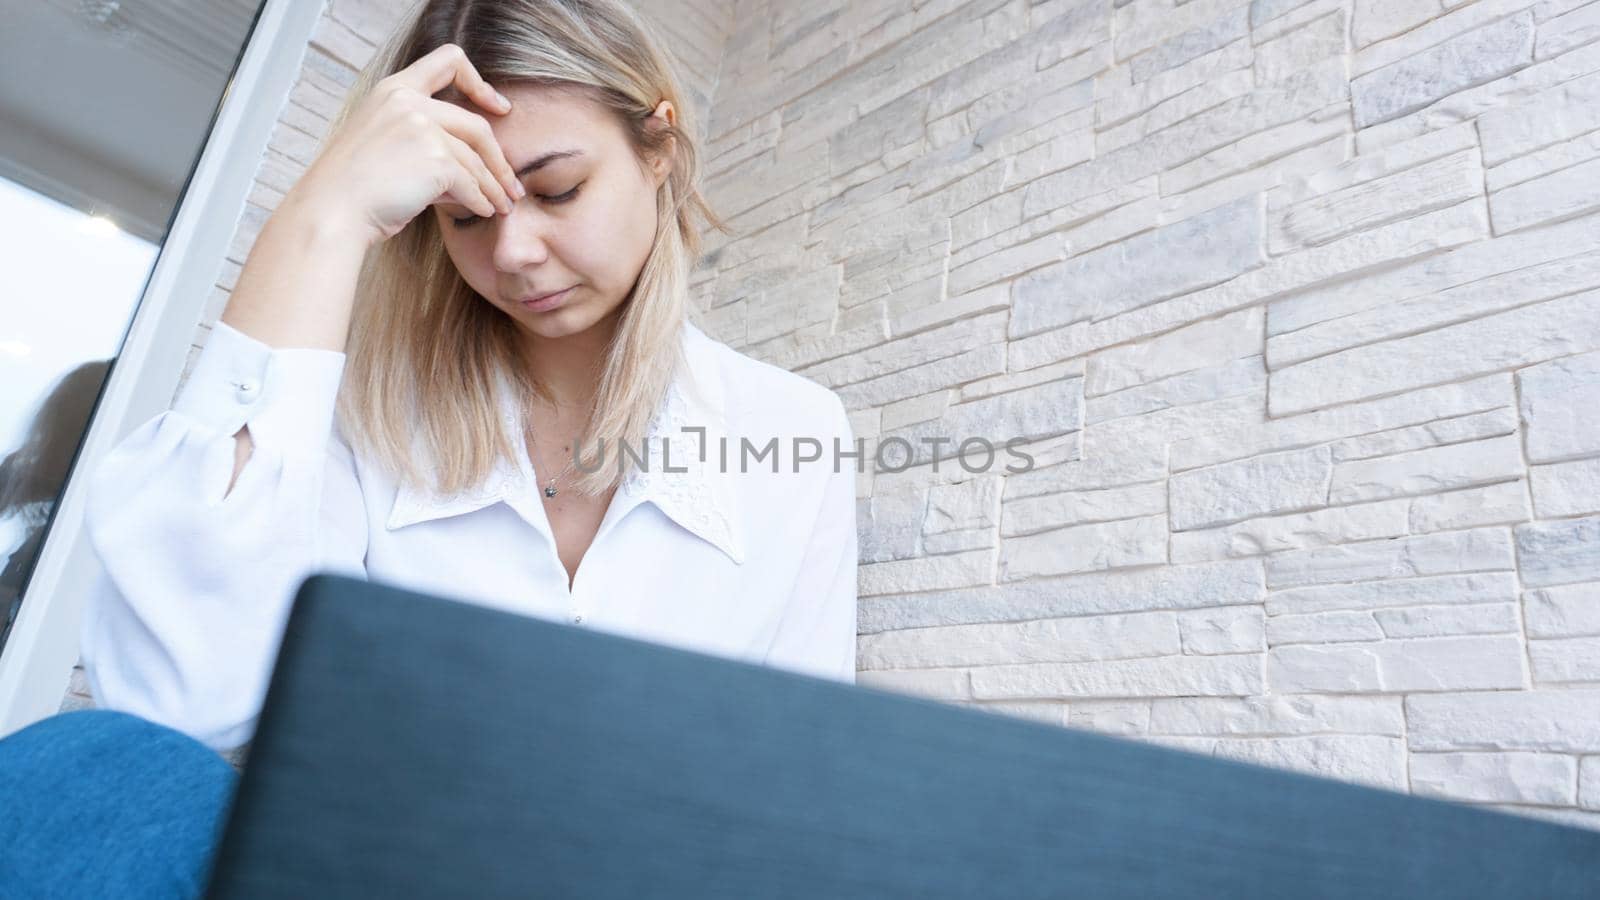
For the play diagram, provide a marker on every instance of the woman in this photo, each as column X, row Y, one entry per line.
column 458, row 360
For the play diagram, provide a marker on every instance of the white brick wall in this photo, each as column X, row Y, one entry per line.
column 1298, row 305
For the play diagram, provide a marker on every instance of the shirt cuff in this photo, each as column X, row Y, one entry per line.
column 286, row 395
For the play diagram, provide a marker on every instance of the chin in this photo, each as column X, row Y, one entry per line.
column 554, row 325
column 564, row 322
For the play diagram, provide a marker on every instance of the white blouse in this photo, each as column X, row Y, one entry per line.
column 754, row 562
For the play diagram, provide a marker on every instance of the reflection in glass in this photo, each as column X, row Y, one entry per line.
column 104, row 108
column 72, row 282
column 33, row 473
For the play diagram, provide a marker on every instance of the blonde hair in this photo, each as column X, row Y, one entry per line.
column 425, row 349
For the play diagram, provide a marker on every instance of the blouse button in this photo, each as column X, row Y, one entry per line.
column 577, row 619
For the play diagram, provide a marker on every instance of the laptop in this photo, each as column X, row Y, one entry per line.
column 425, row 747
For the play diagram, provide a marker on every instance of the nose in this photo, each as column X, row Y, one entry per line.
column 520, row 236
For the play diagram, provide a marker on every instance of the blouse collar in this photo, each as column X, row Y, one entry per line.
column 682, row 479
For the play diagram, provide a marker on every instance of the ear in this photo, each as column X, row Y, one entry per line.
column 667, row 111
column 662, row 164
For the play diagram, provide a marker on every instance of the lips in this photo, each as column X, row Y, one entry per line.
column 546, row 301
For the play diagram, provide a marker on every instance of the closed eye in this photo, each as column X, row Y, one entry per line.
column 556, row 199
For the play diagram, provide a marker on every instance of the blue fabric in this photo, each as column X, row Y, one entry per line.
column 99, row 803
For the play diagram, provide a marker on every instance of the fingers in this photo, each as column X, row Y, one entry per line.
column 474, row 129
column 474, row 186
column 464, row 189
column 445, row 65
column 483, row 179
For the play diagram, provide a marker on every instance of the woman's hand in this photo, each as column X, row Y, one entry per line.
column 402, row 150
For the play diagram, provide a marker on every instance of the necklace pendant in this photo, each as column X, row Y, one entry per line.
column 550, row 491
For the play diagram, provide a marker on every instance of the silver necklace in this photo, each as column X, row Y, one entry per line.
column 550, row 489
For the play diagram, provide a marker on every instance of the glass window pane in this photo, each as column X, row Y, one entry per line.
column 104, row 108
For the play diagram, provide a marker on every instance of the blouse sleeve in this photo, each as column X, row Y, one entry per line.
column 817, row 635
column 183, row 624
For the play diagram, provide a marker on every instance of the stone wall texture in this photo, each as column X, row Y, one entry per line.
column 1294, row 304
column 1297, row 306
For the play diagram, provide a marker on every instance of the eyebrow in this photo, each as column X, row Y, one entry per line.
column 546, row 160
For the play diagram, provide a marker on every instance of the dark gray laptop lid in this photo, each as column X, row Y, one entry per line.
column 416, row 746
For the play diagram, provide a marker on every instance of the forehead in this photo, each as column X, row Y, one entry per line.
column 546, row 121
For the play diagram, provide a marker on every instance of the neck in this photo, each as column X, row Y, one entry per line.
column 569, row 367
